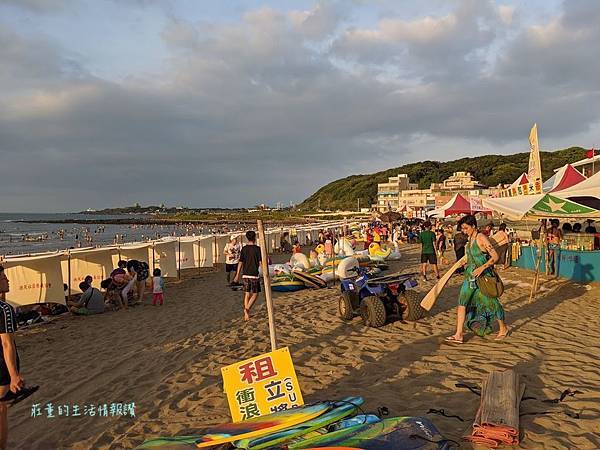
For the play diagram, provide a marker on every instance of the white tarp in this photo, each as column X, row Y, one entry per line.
column 165, row 257
column 35, row 279
column 219, row 248
column 139, row 252
column 203, row 255
column 186, row 254
column 96, row 262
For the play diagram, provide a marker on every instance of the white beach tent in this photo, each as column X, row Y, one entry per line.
column 76, row 264
column 164, row 257
column 34, row 279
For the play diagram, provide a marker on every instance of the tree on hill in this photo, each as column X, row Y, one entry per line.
column 490, row 170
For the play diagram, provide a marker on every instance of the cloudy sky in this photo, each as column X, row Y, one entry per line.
column 233, row 103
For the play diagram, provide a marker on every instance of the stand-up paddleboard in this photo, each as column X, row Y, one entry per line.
column 341, row 409
column 407, row 433
column 309, row 280
column 259, row 426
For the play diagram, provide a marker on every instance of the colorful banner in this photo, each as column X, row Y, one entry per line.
column 535, row 165
column 261, row 385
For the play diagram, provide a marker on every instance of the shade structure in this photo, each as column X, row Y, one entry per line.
column 455, row 206
column 586, row 192
column 564, row 178
column 540, row 206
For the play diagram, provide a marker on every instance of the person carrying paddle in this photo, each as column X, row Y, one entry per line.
column 475, row 310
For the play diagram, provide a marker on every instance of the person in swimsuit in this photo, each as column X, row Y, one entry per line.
column 475, row 310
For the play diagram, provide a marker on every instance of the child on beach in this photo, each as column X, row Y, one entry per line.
column 158, row 286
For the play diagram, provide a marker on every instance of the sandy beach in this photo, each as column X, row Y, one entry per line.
column 167, row 360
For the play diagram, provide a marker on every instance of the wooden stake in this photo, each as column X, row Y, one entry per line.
column 179, row 258
column 267, row 282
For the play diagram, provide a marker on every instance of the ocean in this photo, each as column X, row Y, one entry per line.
column 25, row 238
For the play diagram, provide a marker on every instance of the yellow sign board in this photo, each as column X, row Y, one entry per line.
column 261, row 385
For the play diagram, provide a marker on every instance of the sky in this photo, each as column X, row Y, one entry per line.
column 234, row 103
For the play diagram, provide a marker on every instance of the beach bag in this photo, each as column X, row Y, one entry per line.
column 491, row 285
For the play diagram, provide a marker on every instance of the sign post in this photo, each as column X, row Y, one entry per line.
column 267, row 282
column 262, row 385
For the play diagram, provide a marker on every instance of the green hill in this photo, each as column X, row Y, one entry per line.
column 490, row 170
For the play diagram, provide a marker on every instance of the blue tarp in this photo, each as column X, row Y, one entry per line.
column 570, row 264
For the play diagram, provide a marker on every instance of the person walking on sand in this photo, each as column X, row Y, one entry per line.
column 250, row 259
column 428, row 256
column 232, row 256
column 476, row 311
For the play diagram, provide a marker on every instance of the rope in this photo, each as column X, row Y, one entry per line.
column 441, row 412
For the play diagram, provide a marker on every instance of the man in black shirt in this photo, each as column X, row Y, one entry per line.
column 250, row 259
column 10, row 378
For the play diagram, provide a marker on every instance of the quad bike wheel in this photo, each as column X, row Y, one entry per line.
column 345, row 306
column 372, row 312
column 411, row 306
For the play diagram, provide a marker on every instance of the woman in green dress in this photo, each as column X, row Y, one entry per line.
column 476, row 311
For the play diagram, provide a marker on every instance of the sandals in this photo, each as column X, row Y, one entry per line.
column 19, row 396
column 501, row 337
column 453, row 340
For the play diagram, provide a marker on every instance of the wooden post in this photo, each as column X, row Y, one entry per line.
column 179, row 258
column 69, row 271
column 536, row 277
column 267, row 281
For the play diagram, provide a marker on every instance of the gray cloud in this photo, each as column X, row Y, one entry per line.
column 266, row 109
column 38, row 6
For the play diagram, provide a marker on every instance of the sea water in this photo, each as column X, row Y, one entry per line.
column 24, row 238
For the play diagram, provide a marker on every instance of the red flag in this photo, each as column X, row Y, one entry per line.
column 589, row 153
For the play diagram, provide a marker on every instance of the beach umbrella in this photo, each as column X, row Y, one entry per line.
column 390, row 217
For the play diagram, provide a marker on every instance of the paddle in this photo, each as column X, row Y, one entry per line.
column 429, row 300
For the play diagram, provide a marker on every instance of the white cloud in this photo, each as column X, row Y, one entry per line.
column 257, row 96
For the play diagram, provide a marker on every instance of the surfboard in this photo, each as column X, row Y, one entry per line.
column 408, row 433
column 309, row 280
column 259, row 426
column 341, row 409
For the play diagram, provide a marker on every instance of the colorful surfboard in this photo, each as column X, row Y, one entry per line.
column 341, row 409
column 407, row 433
column 259, row 426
